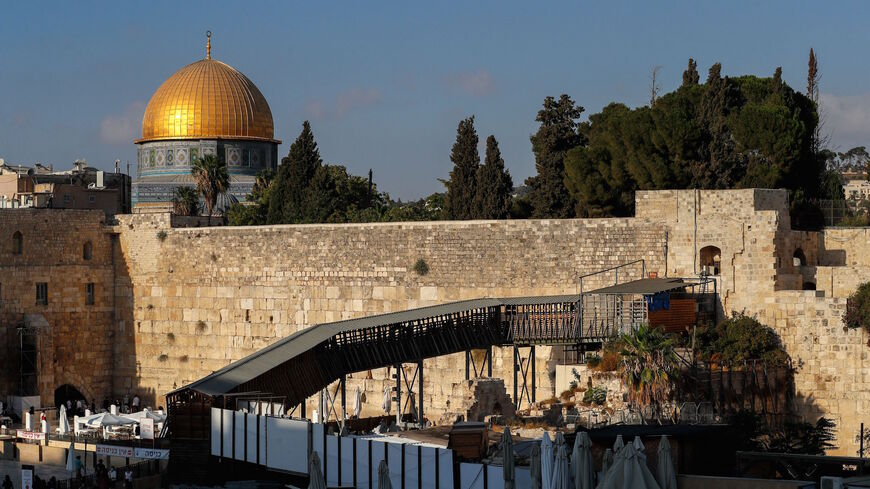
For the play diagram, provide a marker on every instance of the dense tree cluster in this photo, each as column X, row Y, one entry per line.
column 726, row 133
column 723, row 133
column 305, row 190
column 476, row 191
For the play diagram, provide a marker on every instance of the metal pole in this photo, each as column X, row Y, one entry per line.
column 489, row 364
column 420, row 393
column 516, row 401
column 467, row 355
column 321, row 407
column 532, row 370
column 399, row 373
column 343, row 401
column 861, row 444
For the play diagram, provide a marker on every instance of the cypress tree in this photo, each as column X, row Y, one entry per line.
column 288, row 201
column 494, row 185
column 690, row 76
column 555, row 137
column 462, row 185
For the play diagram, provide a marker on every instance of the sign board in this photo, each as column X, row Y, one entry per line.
column 26, row 479
column 30, row 435
column 114, row 451
column 146, row 429
column 151, row 453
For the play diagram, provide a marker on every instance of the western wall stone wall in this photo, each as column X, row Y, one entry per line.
column 203, row 297
column 174, row 304
column 75, row 342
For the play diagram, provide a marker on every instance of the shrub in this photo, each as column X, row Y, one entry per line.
column 595, row 395
column 200, row 326
column 163, row 357
column 421, row 267
column 565, row 395
column 609, row 362
column 170, row 336
column 857, row 313
column 184, row 358
column 739, row 339
column 593, row 361
column 161, row 235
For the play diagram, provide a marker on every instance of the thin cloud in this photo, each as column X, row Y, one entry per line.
column 343, row 103
column 123, row 128
column 846, row 118
column 475, row 83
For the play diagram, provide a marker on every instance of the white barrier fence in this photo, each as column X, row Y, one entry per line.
column 285, row 445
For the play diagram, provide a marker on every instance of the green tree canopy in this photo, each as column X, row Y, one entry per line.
column 494, row 185
column 304, row 190
column 726, row 133
column 462, row 185
column 556, row 135
column 212, row 179
column 289, row 199
column 185, row 202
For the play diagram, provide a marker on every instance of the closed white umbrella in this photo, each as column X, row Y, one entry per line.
column 315, row 474
column 62, row 422
column 606, row 461
column 507, row 452
column 618, row 445
column 357, row 403
column 629, row 470
column 581, row 462
column 535, row 467
column 546, row 461
column 561, row 470
column 665, row 473
column 70, row 458
column 384, row 476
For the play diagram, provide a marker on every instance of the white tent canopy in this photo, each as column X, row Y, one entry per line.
column 107, row 419
column 145, row 413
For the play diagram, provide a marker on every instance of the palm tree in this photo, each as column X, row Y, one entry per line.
column 212, row 180
column 186, row 201
column 649, row 365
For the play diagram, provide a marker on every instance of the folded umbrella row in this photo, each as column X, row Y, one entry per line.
column 624, row 466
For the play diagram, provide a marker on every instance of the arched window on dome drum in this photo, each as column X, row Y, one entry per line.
column 87, row 250
column 711, row 260
column 17, row 243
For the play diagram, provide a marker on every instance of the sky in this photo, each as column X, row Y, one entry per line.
column 385, row 84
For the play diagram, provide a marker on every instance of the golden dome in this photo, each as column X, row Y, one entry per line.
column 207, row 100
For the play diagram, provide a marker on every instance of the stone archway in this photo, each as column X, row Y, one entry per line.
column 711, row 260
column 67, row 392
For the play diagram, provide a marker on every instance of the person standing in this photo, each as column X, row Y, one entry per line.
column 135, row 403
column 80, row 468
column 128, row 478
column 113, row 476
column 7, row 482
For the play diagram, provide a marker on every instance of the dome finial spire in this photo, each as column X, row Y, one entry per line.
column 208, row 45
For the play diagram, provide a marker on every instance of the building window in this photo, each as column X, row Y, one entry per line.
column 88, row 251
column 799, row 259
column 42, row 294
column 92, row 198
column 17, row 243
column 89, row 294
column 67, row 199
column 711, row 260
